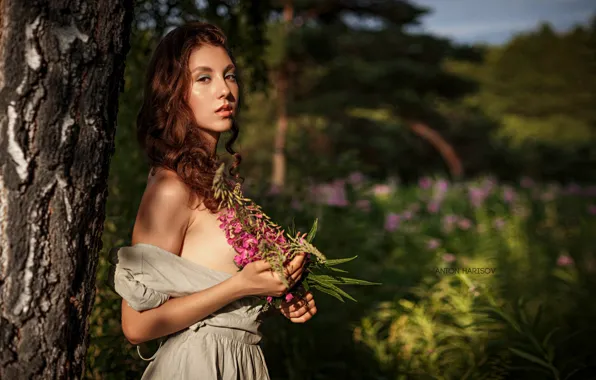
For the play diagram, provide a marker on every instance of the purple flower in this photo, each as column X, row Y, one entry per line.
column 392, row 222
column 564, row 261
column 425, row 183
column 508, row 194
column 356, row 178
column 338, row 198
column 547, row 196
column 499, row 223
column 464, row 224
column 363, row 204
column 590, row 191
column 448, row 258
column 332, row 194
column 573, row 189
column 433, row 244
column 414, row 207
column 526, row 182
column 488, row 184
column 381, row 189
column 433, row 207
column 407, row 215
column 477, row 196
column 441, row 186
column 449, row 221
column 592, row 209
column 296, row 205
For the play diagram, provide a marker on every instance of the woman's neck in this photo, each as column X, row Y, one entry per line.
column 211, row 139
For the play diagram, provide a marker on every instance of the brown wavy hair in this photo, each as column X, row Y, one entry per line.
column 166, row 127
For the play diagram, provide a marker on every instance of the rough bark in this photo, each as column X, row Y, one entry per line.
column 278, row 175
column 445, row 149
column 61, row 70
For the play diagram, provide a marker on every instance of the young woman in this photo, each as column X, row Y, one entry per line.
column 178, row 279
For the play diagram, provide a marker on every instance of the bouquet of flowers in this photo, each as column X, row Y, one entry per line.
column 255, row 236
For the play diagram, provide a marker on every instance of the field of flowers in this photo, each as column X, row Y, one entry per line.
column 481, row 280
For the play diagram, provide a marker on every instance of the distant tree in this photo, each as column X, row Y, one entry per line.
column 61, row 68
column 346, row 55
column 542, row 85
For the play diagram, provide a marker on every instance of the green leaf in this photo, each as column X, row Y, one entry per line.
column 337, row 270
column 313, row 231
column 529, row 368
column 339, row 261
column 343, row 280
column 521, row 312
column 328, row 291
column 537, row 317
column 504, row 316
column 306, row 285
column 332, row 287
column 530, row 357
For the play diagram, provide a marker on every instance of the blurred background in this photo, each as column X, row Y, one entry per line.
column 424, row 135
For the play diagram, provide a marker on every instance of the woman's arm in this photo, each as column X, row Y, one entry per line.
column 162, row 221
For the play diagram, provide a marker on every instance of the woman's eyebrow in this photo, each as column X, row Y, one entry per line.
column 210, row 70
column 202, row 68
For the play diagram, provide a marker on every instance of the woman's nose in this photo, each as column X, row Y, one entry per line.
column 224, row 90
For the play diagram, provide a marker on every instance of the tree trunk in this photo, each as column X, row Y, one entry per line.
column 278, row 176
column 444, row 148
column 61, row 70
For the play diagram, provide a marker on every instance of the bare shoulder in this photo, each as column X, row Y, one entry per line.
column 164, row 212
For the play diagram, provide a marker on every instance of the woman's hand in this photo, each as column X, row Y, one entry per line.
column 294, row 269
column 299, row 310
column 259, row 279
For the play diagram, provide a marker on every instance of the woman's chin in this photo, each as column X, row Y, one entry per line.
column 221, row 126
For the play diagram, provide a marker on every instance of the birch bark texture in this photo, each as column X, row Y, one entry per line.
column 61, row 72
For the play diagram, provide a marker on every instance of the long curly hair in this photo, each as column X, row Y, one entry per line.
column 166, row 127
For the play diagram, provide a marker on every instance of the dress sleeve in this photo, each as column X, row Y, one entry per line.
column 126, row 278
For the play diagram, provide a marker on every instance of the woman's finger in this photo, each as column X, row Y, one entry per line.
column 298, row 302
column 262, row 265
column 295, row 265
column 304, row 314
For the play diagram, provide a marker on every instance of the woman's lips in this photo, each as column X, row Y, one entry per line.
column 226, row 112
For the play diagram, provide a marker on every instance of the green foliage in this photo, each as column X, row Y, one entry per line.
column 541, row 85
column 519, row 321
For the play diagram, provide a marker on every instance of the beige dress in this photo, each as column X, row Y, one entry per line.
column 222, row 346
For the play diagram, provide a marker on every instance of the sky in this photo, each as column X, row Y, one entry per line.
column 494, row 21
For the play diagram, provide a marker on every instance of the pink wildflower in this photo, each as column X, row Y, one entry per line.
column 289, row 297
column 425, row 183
column 464, row 224
column 433, row 244
column 564, row 261
column 363, row 204
column 392, row 222
column 433, row 207
column 356, row 178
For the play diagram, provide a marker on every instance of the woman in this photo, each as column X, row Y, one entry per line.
column 178, row 279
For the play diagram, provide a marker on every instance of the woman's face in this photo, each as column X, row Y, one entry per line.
column 214, row 91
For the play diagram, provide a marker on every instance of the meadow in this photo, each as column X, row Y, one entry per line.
column 480, row 280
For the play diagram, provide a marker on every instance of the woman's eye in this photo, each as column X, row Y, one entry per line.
column 204, row 79
column 231, row 76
